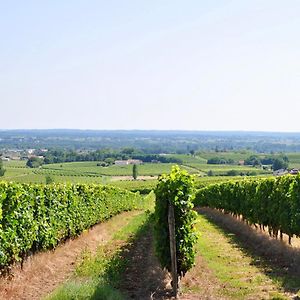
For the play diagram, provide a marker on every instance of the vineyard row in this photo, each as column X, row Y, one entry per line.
column 34, row 217
column 271, row 202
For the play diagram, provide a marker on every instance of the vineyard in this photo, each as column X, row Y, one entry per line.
column 272, row 202
column 37, row 217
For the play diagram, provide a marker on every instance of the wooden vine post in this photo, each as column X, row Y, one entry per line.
column 171, row 221
column 174, row 220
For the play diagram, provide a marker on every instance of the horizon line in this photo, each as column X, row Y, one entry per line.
column 157, row 130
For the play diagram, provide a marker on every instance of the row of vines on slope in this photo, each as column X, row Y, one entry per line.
column 34, row 217
column 272, row 202
column 175, row 189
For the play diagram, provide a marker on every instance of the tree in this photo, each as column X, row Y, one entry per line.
column 128, row 150
column 253, row 160
column 232, row 173
column 49, row 179
column 192, row 152
column 34, row 162
column 134, row 172
column 2, row 170
column 210, row 173
column 279, row 163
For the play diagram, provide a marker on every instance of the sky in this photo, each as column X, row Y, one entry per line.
column 159, row 64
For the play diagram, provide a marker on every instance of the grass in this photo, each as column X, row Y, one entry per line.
column 233, row 266
column 235, row 155
column 91, row 168
column 89, row 172
column 83, row 172
column 98, row 276
column 15, row 163
column 187, row 159
column 223, row 169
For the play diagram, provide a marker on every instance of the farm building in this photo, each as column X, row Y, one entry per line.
column 5, row 158
column 134, row 162
column 128, row 162
column 121, row 162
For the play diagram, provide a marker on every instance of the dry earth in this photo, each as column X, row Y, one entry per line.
column 144, row 279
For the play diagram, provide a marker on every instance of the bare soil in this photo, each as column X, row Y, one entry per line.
column 144, row 278
column 202, row 280
column 44, row 271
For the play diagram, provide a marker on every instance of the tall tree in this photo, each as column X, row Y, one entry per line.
column 134, row 172
column 279, row 163
column 2, row 170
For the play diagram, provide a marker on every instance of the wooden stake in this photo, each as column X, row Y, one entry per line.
column 171, row 221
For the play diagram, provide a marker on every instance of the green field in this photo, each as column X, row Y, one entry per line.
column 187, row 159
column 223, row 169
column 89, row 172
column 91, row 169
column 81, row 172
column 235, row 155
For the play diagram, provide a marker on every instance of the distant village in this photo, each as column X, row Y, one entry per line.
column 16, row 154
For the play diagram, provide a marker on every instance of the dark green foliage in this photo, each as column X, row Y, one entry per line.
column 2, row 170
column 36, row 216
column 272, row 202
column 34, row 162
column 134, row 172
column 210, row 173
column 220, row 161
column 253, row 160
column 49, row 179
column 106, row 155
column 178, row 188
column 279, row 163
column 232, row 173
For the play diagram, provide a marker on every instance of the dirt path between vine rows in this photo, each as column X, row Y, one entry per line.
column 44, row 271
column 144, row 278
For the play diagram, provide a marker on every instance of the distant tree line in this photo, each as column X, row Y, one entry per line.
column 151, row 142
column 220, row 161
column 107, row 156
column 277, row 162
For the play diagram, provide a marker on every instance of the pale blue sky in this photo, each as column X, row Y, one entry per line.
column 159, row 64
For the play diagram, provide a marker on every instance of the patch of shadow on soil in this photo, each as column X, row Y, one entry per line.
column 275, row 258
column 143, row 277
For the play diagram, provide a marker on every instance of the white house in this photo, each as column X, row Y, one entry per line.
column 5, row 158
column 121, row 162
column 128, row 162
column 134, row 162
